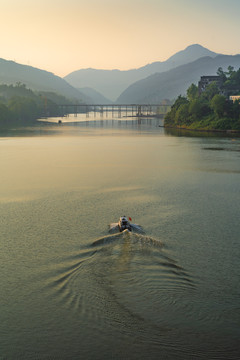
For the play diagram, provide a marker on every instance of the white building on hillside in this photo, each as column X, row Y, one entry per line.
column 234, row 97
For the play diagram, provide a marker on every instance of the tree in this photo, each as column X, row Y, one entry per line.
column 211, row 90
column 233, row 109
column 230, row 70
column 182, row 114
column 5, row 114
column 170, row 118
column 199, row 108
column 180, row 100
column 221, row 74
column 192, row 92
column 218, row 104
column 23, row 109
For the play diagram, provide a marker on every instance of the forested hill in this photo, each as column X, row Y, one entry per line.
column 36, row 79
column 170, row 84
column 21, row 106
column 211, row 109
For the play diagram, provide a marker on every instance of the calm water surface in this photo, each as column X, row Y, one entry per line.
column 170, row 293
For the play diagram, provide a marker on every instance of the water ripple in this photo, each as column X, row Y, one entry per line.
column 123, row 276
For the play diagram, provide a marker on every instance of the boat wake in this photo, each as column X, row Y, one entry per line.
column 134, row 237
column 126, row 282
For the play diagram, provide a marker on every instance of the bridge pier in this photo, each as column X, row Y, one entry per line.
column 139, row 110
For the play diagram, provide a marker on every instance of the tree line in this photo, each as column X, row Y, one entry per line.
column 19, row 105
column 209, row 109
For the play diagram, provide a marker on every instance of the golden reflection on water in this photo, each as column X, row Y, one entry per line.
column 31, row 166
column 78, row 158
column 68, row 185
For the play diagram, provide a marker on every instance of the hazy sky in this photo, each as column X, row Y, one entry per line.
column 65, row 35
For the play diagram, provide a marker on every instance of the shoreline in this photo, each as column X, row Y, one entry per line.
column 230, row 131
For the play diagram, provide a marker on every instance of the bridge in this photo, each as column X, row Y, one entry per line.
column 134, row 110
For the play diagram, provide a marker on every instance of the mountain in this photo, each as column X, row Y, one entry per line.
column 36, row 79
column 191, row 53
column 111, row 83
column 170, row 84
column 94, row 96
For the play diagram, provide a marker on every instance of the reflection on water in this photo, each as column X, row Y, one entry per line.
column 69, row 289
column 74, row 126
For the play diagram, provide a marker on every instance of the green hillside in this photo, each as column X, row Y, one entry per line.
column 210, row 108
column 21, row 106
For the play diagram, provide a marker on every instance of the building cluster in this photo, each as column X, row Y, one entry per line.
column 207, row 80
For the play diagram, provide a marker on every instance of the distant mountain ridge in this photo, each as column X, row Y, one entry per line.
column 94, row 96
column 36, row 79
column 111, row 83
column 148, row 84
column 170, row 84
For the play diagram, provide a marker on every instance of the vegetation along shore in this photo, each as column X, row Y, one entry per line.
column 213, row 105
column 22, row 106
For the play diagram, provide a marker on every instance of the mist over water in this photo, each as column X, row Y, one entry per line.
column 71, row 290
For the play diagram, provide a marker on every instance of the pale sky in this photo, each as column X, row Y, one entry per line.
column 62, row 36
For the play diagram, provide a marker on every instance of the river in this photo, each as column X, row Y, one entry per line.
column 69, row 290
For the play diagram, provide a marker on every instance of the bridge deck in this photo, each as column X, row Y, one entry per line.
column 138, row 109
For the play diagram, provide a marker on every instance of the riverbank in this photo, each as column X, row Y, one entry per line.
column 208, row 130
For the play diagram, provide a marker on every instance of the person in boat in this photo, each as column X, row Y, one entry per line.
column 124, row 224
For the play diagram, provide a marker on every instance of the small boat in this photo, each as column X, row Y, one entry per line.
column 124, row 224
